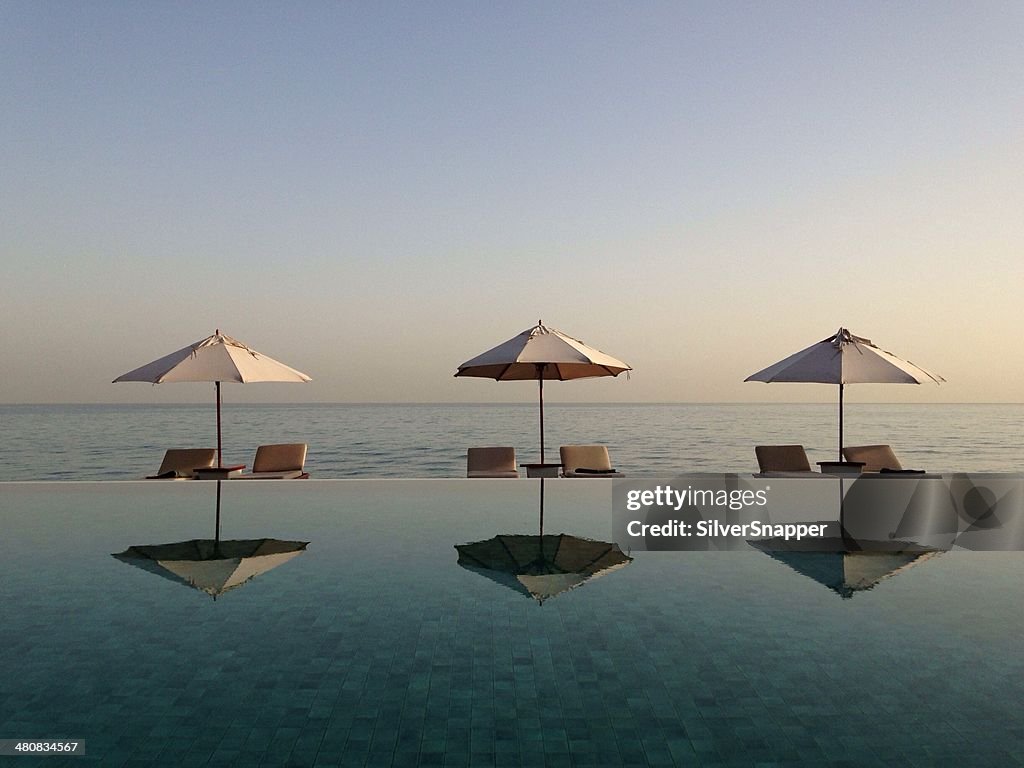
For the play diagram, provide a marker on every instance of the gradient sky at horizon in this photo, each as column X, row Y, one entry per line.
column 375, row 192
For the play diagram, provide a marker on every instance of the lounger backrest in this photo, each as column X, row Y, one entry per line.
column 782, row 458
column 284, row 457
column 182, row 461
column 584, row 456
column 875, row 457
column 492, row 459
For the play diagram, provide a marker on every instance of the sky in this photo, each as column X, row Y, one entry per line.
column 376, row 192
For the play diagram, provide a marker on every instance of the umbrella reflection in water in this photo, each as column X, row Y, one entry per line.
column 212, row 566
column 544, row 565
column 831, row 562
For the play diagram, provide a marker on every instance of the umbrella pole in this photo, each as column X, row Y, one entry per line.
column 540, row 391
column 220, row 459
column 840, row 422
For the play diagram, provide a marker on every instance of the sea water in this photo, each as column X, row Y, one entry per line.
column 126, row 442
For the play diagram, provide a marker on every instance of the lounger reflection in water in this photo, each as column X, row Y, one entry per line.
column 213, row 567
column 179, row 463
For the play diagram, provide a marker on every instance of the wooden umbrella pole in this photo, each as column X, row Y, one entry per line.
column 840, row 421
column 220, row 459
column 540, row 395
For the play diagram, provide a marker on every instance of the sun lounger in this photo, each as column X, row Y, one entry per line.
column 179, row 463
column 586, row 461
column 876, row 458
column 491, row 462
column 277, row 462
column 782, row 460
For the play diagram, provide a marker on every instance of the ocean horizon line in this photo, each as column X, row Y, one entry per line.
column 529, row 403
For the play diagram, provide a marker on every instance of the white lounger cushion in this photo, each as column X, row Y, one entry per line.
column 498, row 461
column 277, row 462
column 292, row 473
column 582, row 457
column 179, row 462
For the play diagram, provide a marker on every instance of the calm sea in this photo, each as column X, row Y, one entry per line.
column 126, row 442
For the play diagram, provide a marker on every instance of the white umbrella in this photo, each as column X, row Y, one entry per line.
column 216, row 358
column 844, row 359
column 542, row 353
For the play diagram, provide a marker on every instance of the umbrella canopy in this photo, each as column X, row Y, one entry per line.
column 213, row 567
column 216, row 358
column 541, row 566
column 844, row 359
column 541, row 353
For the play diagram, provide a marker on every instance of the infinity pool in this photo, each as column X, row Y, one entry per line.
column 374, row 646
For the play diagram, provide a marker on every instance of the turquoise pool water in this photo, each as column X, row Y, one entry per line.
column 375, row 647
